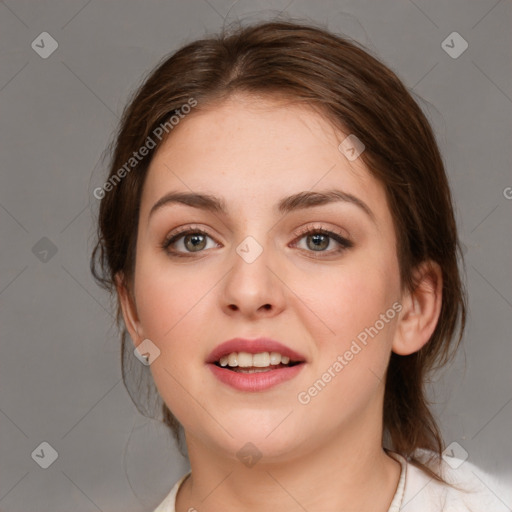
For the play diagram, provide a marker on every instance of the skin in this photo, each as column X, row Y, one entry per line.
column 325, row 455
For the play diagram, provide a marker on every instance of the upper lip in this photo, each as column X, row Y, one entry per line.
column 254, row 346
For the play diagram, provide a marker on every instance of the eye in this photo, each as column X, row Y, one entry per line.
column 318, row 239
column 187, row 240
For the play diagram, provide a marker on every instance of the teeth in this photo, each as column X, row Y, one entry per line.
column 261, row 360
column 275, row 357
column 246, row 360
column 252, row 370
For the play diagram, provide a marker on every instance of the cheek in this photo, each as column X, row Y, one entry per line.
column 351, row 361
column 175, row 311
column 166, row 300
column 351, row 297
column 354, row 304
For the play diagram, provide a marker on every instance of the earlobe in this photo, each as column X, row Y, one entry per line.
column 420, row 311
column 129, row 309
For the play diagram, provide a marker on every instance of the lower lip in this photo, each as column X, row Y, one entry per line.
column 259, row 381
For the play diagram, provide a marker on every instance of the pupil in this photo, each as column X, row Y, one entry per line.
column 317, row 238
column 197, row 240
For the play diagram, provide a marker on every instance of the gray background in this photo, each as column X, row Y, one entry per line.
column 60, row 369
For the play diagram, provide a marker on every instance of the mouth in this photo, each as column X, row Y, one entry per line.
column 254, row 365
column 245, row 362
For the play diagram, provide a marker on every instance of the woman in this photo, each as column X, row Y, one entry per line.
column 278, row 229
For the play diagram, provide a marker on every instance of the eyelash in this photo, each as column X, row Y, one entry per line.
column 301, row 233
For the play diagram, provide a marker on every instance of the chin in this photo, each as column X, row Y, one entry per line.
column 270, row 438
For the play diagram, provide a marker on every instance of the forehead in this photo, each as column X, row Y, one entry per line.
column 257, row 150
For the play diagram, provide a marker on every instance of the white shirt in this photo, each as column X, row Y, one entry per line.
column 476, row 490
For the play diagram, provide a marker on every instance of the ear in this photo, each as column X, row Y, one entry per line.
column 420, row 310
column 129, row 309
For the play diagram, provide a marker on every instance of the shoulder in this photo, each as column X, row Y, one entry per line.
column 471, row 489
column 169, row 503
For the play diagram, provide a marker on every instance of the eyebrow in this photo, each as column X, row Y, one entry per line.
column 288, row 204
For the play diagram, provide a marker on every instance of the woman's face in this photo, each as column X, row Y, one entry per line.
column 253, row 271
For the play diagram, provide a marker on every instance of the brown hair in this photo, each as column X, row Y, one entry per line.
column 359, row 95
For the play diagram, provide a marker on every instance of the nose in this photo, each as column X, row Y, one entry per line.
column 253, row 287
